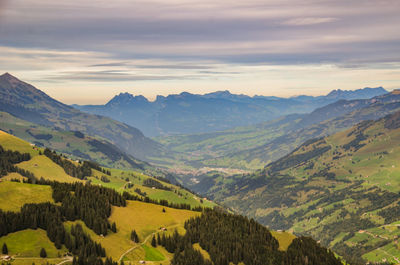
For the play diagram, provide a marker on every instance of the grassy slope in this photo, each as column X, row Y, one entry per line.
column 119, row 180
column 284, row 238
column 28, row 243
column 143, row 217
column 62, row 141
column 42, row 166
column 23, row 100
column 9, row 142
column 362, row 178
column 203, row 252
column 14, row 195
column 146, row 219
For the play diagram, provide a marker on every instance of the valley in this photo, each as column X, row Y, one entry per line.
column 149, row 211
column 342, row 189
column 330, row 175
column 186, row 132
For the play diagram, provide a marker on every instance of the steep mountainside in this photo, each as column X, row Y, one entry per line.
column 73, row 143
column 51, row 219
column 343, row 189
column 47, row 166
column 254, row 146
column 28, row 103
column 188, row 113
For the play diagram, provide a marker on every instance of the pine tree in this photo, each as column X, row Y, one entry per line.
column 158, row 239
column 114, row 227
column 5, row 249
column 134, row 237
column 153, row 241
column 43, row 253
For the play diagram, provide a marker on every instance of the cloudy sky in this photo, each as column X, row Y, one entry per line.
column 82, row 51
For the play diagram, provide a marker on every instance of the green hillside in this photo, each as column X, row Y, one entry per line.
column 342, row 189
column 14, row 195
column 28, row 103
column 76, row 144
column 137, row 215
column 147, row 219
column 134, row 182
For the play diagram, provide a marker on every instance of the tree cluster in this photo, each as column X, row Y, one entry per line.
column 76, row 171
column 162, row 202
column 391, row 214
column 105, row 179
column 234, row 239
column 154, row 183
column 8, row 158
column 92, row 204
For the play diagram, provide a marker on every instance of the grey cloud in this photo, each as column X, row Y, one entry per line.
column 115, row 76
column 308, row 21
column 108, row 64
column 219, row 73
column 173, row 66
column 270, row 32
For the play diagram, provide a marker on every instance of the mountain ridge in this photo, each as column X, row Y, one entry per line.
column 251, row 147
column 187, row 113
column 26, row 102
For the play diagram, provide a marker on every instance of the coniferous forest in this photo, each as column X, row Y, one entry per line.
column 233, row 238
column 228, row 238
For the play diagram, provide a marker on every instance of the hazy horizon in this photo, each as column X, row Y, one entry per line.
column 86, row 52
column 152, row 99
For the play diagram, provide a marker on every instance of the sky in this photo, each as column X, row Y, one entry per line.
column 85, row 51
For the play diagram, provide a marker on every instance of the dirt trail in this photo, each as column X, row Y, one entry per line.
column 144, row 242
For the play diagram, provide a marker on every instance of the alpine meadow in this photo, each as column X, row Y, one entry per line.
column 185, row 132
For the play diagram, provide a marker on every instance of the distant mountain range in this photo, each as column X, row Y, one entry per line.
column 189, row 113
column 25, row 102
column 251, row 147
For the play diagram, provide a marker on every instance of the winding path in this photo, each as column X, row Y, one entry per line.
column 69, row 259
column 144, row 242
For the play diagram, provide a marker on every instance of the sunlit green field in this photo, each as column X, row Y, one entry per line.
column 14, row 195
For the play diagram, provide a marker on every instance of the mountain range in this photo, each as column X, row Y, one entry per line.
column 28, row 103
column 251, row 147
column 330, row 173
column 187, row 113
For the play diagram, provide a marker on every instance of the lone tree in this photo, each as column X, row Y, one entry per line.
column 5, row 249
column 43, row 253
column 134, row 237
column 153, row 241
column 114, row 227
